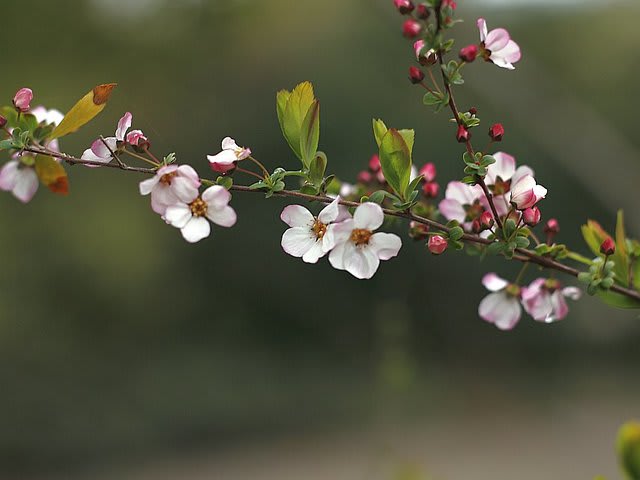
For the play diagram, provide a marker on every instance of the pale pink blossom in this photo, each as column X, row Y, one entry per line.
column 171, row 184
column 355, row 248
column 135, row 137
column 22, row 99
column 502, row 306
column 544, row 299
column 101, row 151
column 49, row 117
column 307, row 236
column 19, row 179
column 498, row 47
column 227, row 158
column 191, row 218
column 462, row 203
column 525, row 193
column 501, row 175
column 417, row 47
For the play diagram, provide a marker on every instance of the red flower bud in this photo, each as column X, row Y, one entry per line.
column 411, row 28
column 531, row 216
column 404, row 6
column 468, row 53
column 473, row 111
column 418, row 231
column 364, row 176
column 422, row 11
column 463, row 134
column 428, row 172
column 476, row 227
column 3, row 121
column 415, row 75
column 22, row 99
column 437, row 244
column 374, row 163
column 608, row 247
column 430, row 189
column 552, row 226
column 450, row 3
column 486, row 220
column 496, row 132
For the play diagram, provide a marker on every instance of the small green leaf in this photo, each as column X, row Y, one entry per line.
column 395, row 159
column 456, row 233
column 379, row 130
column 317, row 168
column 413, row 185
column 628, row 447
column 310, row 133
column 496, row 248
column 292, row 110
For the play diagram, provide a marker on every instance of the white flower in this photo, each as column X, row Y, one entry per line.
column 19, row 179
column 227, row 158
column 462, row 203
column 354, row 246
column 99, row 152
column 191, row 218
column 502, row 307
column 498, row 47
column 545, row 301
column 500, row 176
column 306, row 238
column 49, row 117
column 171, row 184
column 525, row 193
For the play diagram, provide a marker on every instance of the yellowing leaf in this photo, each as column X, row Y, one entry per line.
column 85, row 110
column 52, row 174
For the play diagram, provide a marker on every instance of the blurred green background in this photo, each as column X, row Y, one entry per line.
column 126, row 353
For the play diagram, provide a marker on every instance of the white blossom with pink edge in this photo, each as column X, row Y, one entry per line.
column 171, row 184
column 306, row 238
column 544, row 299
column 191, row 217
column 49, row 117
column 525, row 193
column 230, row 154
column 355, row 248
column 500, row 176
column 459, row 198
column 19, row 179
column 502, row 306
column 99, row 152
column 498, row 47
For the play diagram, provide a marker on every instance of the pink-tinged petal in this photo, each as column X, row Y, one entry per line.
column 9, row 175
column 385, row 245
column 229, row 143
column 539, row 192
column 92, row 157
column 123, row 125
column 361, row 262
column 559, row 306
column 314, row 254
column 224, row 217
column 216, row 196
column 188, row 172
column 537, row 301
column 26, row 184
column 225, row 157
column 418, row 46
column 159, row 207
column 297, row 241
column 482, row 26
column 178, row 215
column 500, row 62
column 331, row 212
column 336, row 234
column 147, row 186
column 50, row 117
column 499, row 201
column 368, row 216
column 103, row 149
column 511, row 52
column 163, row 194
column 297, row 216
column 573, row 293
column 521, row 171
column 494, row 283
column 452, row 210
column 504, row 168
column 134, row 137
column 336, row 257
column 497, row 39
column 184, row 189
column 166, row 169
column 500, row 309
column 196, row 229
column 461, row 192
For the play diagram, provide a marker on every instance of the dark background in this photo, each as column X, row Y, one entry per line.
column 126, row 353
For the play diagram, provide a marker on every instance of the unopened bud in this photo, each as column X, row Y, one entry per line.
column 531, row 216
column 418, row 231
column 450, row 3
column 486, row 220
column 496, row 132
column 469, row 53
column 552, row 226
column 364, row 176
column 463, row 134
column 430, row 189
column 415, row 75
column 437, row 244
column 374, row 163
column 411, row 28
column 608, row 247
column 22, row 99
column 476, row 227
column 404, row 6
column 422, row 11
column 428, row 172
column 473, row 111
column 3, row 121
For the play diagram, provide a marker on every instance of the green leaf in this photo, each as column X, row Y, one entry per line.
column 379, row 130
column 317, row 168
column 614, row 299
column 310, row 133
column 594, row 235
column 395, row 159
column 84, row 110
column 496, row 248
column 409, row 137
column 292, row 110
column 456, row 233
column 411, row 188
column 628, row 447
column 6, row 144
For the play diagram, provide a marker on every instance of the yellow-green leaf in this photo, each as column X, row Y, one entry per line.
column 395, row 159
column 628, row 446
column 310, row 133
column 84, row 111
column 379, row 130
column 52, row 174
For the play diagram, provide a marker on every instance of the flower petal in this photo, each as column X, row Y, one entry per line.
column 385, row 245
column 504, row 168
column 297, row 241
column 330, row 213
column 336, row 234
column 9, row 175
column 361, row 262
column 368, row 216
column 225, row 216
column 452, row 210
column 482, row 26
column 229, row 143
column 26, row 184
column 216, row 196
column 336, row 257
column 184, row 189
column 314, row 253
column 196, row 229
column 225, row 157
column 297, row 216
column 494, row 283
column 188, row 172
column 497, row 39
column 178, row 215
column 500, row 309
column 146, row 186
column 123, row 125
column 573, row 293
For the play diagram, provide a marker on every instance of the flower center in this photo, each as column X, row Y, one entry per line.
column 513, row 290
column 501, row 186
column 361, row 236
column 319, row 229
column 166, row 178
column 198, row 207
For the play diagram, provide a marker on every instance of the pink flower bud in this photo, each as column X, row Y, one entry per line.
column 552, row 226
column 404, row 6
column 476, row 227
column 496, row 132
column 3, row 121
column 469, row 53
column 608, row 247
column 422, row 11
column 364, row 176
column 486, row 220
column 135, row 137
column 526, row 193
column 415, row 75
column 531, row 216
column 430, row 189
column 450, row 3
column 437, row 244
column 428, row 172
column 418, row 231
column 411, row 28
column 374, row 163
column 463, row 134
column 22, row 99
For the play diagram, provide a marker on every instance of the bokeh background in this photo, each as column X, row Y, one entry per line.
column 125, row 353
